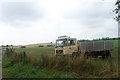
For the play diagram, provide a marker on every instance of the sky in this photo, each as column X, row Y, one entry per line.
column 41, row 21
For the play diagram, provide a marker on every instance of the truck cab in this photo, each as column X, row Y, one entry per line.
column 66, row 45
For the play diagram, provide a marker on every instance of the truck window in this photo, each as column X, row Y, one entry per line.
column 71, row 42
column 61, row 43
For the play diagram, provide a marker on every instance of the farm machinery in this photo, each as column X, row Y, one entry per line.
column 71, row 46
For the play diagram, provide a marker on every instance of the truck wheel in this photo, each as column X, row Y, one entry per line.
column 73, row 54
column 86, row 56
column 96, row 56
column 92, row 56
column 108, row 54
column 103, row 56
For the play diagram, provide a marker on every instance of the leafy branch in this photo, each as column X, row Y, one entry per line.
column 117, row 11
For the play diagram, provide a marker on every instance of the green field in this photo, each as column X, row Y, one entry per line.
column 37, row 50
column 91, row 68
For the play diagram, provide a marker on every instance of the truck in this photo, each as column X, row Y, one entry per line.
column 71, row 46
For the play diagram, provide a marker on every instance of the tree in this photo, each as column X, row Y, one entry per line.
column 117, row 11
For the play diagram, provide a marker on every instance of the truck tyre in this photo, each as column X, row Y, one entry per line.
column 103, row 56
column 108, row 54
column 96, row 56
column 73, row 54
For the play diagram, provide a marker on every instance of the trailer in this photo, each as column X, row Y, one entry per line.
column 97, row 48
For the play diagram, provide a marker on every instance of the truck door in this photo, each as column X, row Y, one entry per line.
column 71, row 46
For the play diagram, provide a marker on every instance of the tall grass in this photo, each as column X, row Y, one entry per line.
column 82, row 67
column 21, row 70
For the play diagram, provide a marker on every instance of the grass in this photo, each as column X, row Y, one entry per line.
column 23, row 70
column 42, row 65
column 60, row 66
column 37, row 50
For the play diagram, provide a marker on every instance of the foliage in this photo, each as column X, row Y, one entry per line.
column 117, row 11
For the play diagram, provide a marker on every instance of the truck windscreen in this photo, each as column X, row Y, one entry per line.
column 61, row 42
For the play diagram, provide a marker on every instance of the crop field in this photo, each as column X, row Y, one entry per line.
column 59, row 67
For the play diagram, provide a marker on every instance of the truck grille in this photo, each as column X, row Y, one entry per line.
column 59, row 51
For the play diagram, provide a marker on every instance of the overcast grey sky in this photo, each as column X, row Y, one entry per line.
column 36, row 21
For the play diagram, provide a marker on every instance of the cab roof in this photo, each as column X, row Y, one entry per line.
column 64, row 37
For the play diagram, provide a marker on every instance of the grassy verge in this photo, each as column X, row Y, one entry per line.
column 22, row 70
